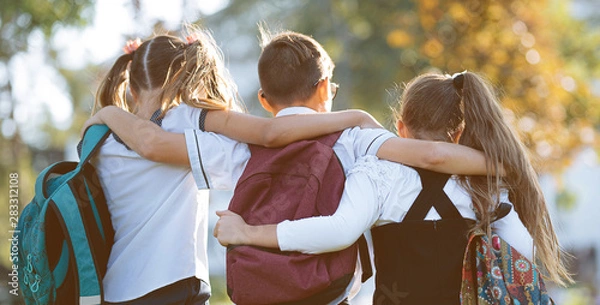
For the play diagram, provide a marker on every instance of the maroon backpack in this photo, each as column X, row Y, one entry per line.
column 301, row 180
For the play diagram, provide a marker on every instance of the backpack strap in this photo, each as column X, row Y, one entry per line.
column 93, row 138
column 432, row 195
column 329, row 139
column 74, row 219
column 501, row 211
column 80, row 247
column 365, row 259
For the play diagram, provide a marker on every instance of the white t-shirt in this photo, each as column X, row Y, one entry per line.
column 379, row 192
column 218, row 162
column 159, row 217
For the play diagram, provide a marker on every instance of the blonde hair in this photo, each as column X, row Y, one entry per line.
column 436, row 104
column 192, row 73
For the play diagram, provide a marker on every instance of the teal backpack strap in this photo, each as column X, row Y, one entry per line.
column 92, row 140
column 89, row 280
column 94, row 135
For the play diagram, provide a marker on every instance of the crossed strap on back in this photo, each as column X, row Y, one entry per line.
column 432, row 195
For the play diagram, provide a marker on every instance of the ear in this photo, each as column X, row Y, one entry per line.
column 456, row 136
column 133, row 94
column 263, row 101
column 323, row 90
column 402, row 129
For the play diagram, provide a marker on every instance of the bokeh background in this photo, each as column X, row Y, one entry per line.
column 543, row 56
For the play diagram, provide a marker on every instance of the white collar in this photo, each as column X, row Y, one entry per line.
column 295, row 110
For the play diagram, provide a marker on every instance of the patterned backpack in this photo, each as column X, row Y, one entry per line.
column 495, row 273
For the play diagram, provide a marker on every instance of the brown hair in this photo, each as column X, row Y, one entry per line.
column 436, row 104
column 192, row 73
column 289, row 66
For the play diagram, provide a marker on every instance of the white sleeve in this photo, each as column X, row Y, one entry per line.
column 357, row 212
column 511, row 229
column 217, row 161
column 364, row 141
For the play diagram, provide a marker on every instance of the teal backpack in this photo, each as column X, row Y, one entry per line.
column 65, row 233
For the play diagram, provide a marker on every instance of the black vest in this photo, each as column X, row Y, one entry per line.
column 420, row 262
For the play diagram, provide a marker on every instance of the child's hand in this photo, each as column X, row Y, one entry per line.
column 230, row 229
column 94, row 120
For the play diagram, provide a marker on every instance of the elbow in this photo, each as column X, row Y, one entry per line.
column 343, row 243
column 148, row 151
column 270, row 139
column 433, row 158
column 346, row 242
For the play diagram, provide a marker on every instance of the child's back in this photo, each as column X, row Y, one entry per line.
column 152, row 203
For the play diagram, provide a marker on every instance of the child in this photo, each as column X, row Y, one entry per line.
column 159, row 255
column 295, row 74
column 419, row 247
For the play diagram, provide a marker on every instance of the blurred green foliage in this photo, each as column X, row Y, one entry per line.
column 543, row 61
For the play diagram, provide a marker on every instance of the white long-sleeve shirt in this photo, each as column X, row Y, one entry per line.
column 378, row 192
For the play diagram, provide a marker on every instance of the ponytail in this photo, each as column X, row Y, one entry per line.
column 198, row 77
column 113, row 87
column 487, row 131
column 191, row 72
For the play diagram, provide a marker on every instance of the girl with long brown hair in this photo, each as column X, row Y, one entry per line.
column 420, row 220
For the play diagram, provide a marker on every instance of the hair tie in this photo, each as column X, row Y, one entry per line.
column 132, row 45
column 191, row 38
column 458, row 80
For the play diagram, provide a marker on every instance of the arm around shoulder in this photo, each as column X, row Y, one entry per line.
column 442, row 157
column 144, row 137
column 284, row 130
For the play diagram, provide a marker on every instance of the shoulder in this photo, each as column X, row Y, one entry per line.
column 381, row 169
column 368, row 133
column 385, row 175
column 181, row 117
column 363, row 141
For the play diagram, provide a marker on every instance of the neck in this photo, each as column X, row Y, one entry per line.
column 147, row 102
column 431, row 136
column 312, row 103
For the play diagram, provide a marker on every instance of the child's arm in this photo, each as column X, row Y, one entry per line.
column 280, row 131
column 357, row 212
column 143, row 136
column 441, row 157
column 153, row 143
column 231, row 229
